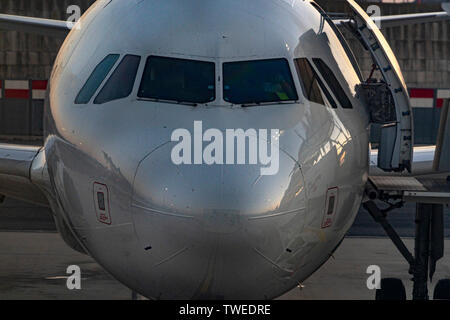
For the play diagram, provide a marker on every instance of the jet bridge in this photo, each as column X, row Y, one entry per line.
column 387, row 99
column 432, row 188
column 389, row 105
column 430, row 192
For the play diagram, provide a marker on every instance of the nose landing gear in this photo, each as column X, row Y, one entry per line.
column 429, row 248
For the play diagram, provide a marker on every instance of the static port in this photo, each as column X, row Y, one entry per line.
column 101, row 201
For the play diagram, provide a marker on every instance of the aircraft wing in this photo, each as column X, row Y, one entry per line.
column 16, row 161
column 41, row 26
column 15, row 173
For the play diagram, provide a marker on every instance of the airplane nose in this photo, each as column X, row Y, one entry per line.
column 193, row 190
column 221, row 222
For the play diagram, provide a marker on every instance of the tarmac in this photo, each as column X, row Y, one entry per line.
column 34, row 259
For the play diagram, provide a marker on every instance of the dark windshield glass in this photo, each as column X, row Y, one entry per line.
column 96, row 78
column 253, row 82
column 121, row 82
column 333, row 83
column 312, row 86
column 178, row 80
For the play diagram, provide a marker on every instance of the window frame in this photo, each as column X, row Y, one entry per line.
column 194, row 104
column 111, row 74
column 324, row 90
column 105, row 78
column 222, row 86
column 332, row 83
column 328, row 95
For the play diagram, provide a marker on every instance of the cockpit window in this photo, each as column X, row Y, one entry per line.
column 121, row 82
column 259, row 81
column 333, row 83
column 178, row 80
column 96, row 78
column 313, row 88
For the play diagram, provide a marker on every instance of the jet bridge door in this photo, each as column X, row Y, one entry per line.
column 396, row 145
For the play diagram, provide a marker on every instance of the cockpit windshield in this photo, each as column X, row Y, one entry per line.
column 178, row 80
column 258, row 82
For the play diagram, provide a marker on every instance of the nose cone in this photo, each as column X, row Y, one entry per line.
column 196, row 190
column 216, row 226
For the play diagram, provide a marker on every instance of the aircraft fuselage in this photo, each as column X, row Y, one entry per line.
column 226, row 231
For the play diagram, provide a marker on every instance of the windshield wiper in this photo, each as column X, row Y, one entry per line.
column 253, row 104
column 192, row 104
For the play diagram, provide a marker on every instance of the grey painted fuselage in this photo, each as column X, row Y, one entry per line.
column 204, row 231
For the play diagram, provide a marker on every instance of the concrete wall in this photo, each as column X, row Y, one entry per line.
column 422, row 49
column 423, row 54
column 24, row 56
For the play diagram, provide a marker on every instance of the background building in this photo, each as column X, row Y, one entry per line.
column 422, row 50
